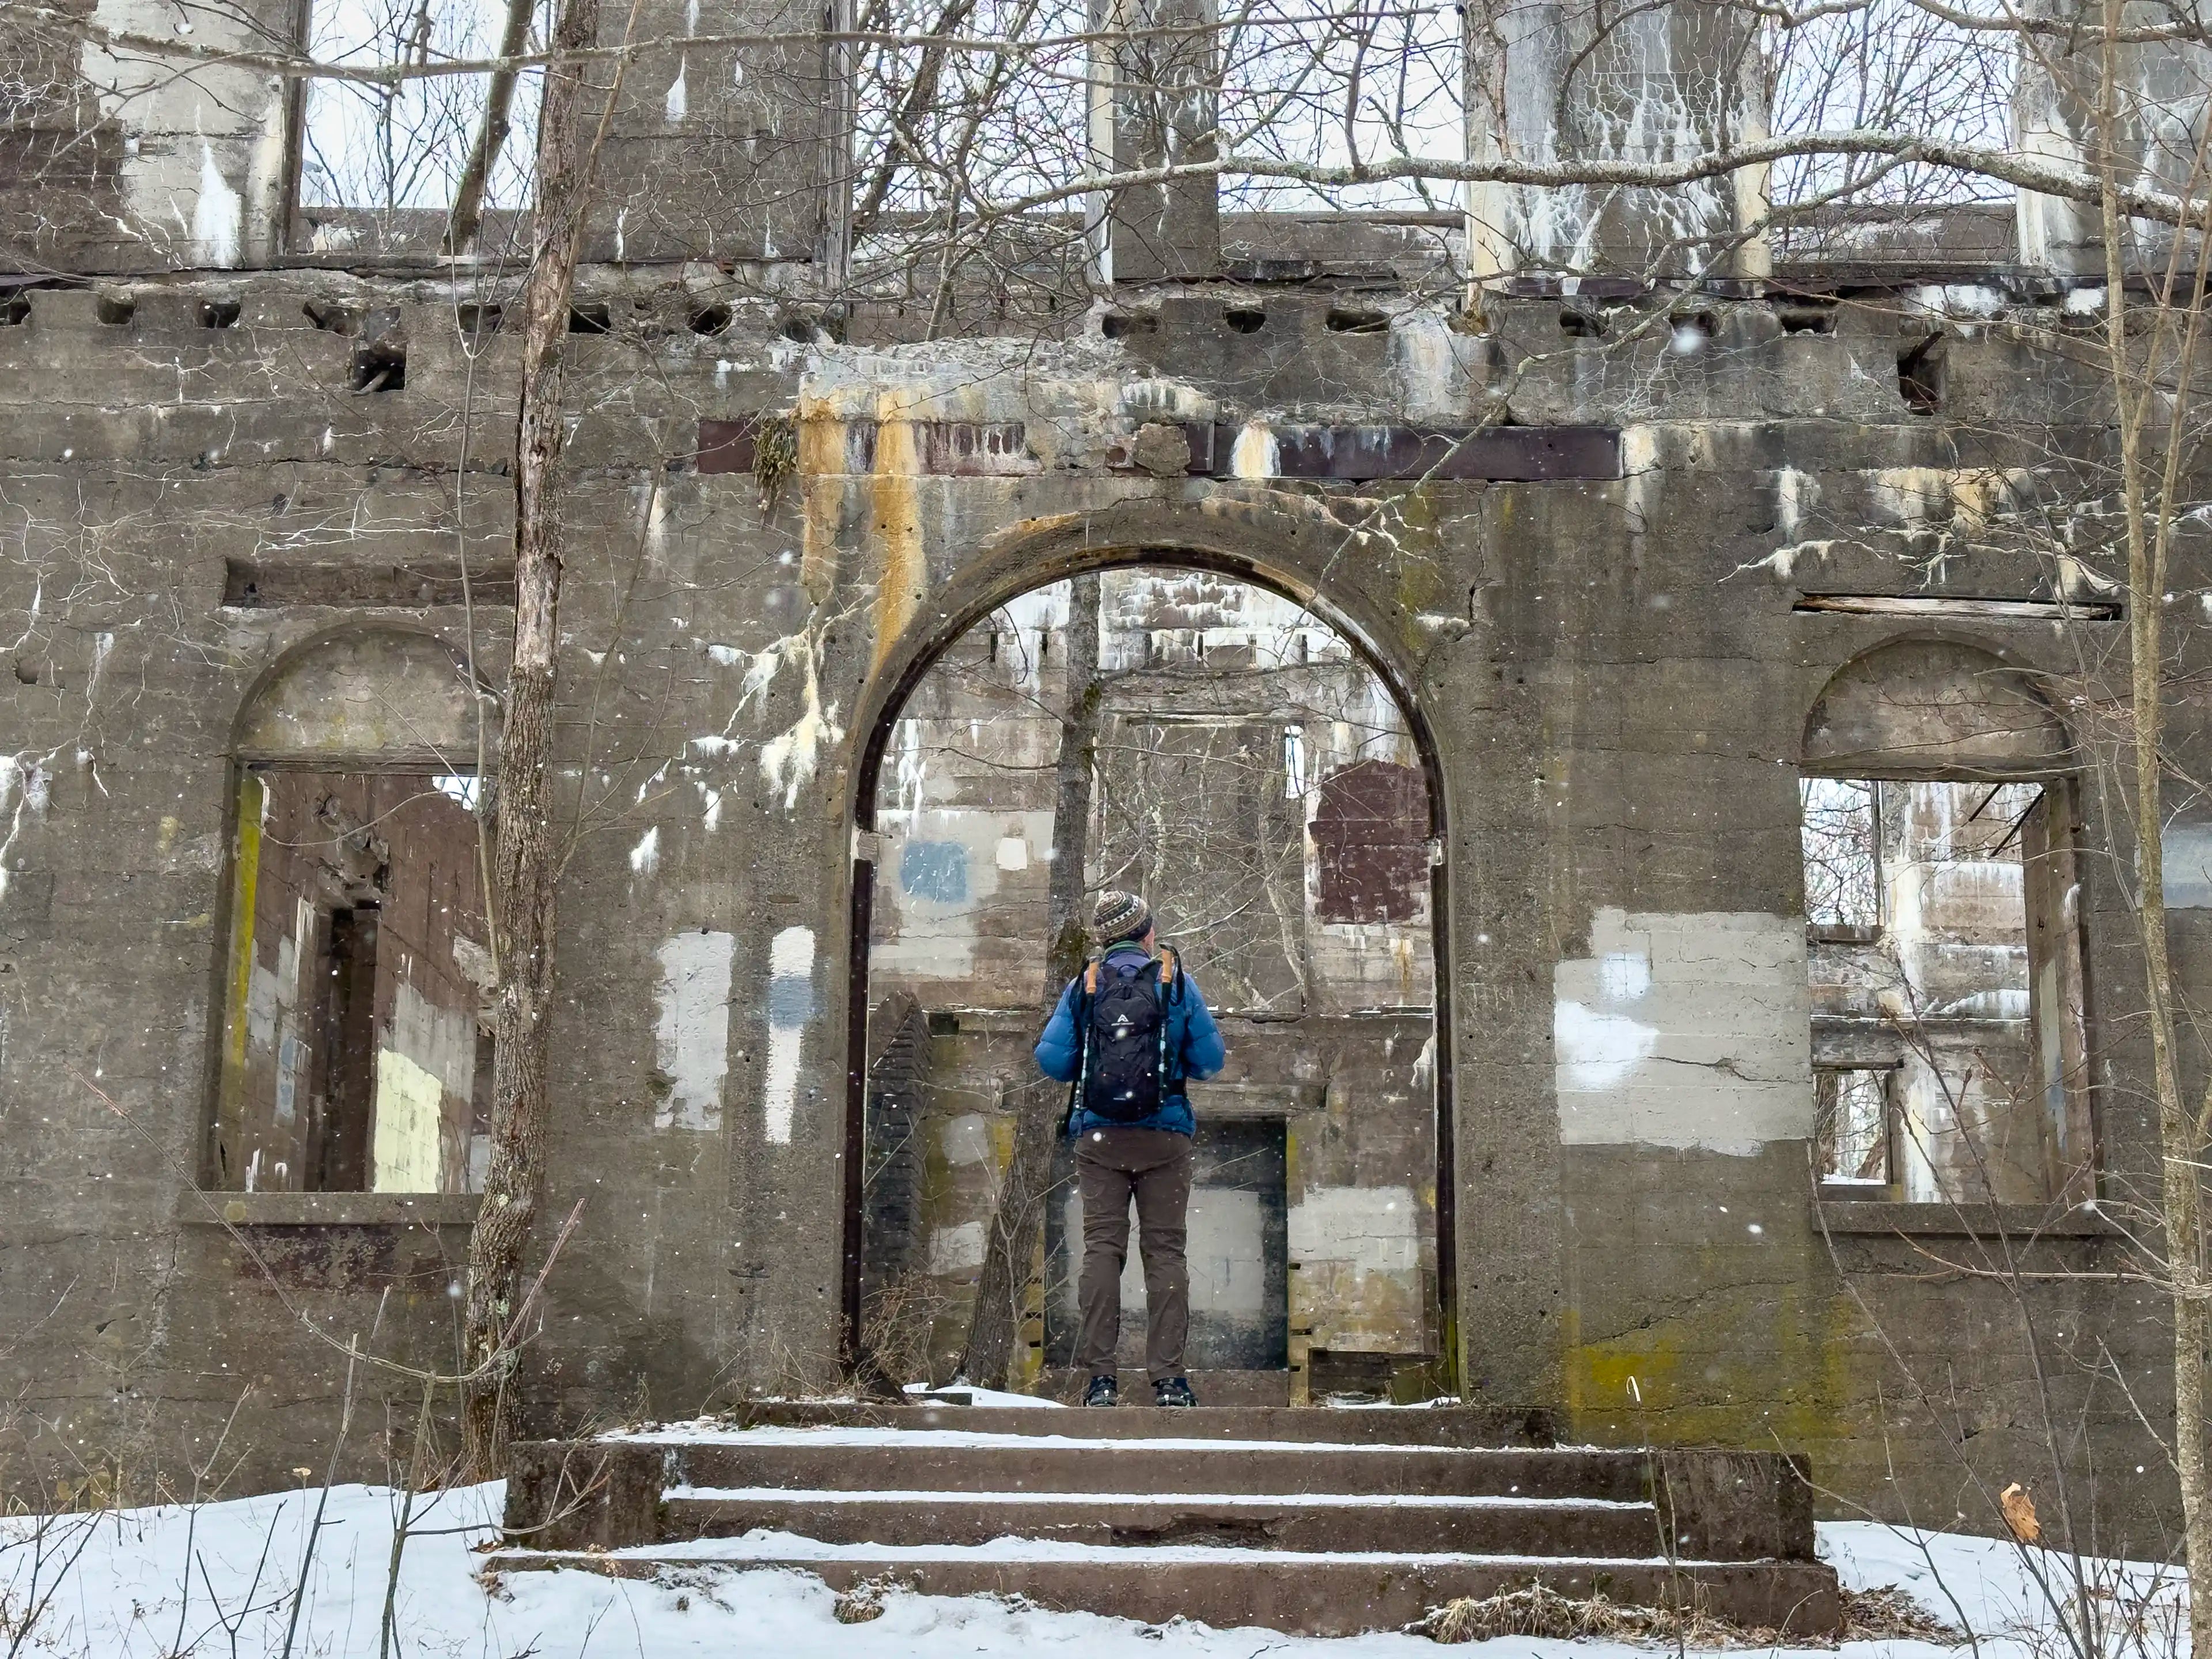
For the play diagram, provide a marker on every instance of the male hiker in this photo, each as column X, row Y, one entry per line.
column 1128, row 1031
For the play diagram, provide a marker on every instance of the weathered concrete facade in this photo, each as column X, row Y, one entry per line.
column 1594, row 614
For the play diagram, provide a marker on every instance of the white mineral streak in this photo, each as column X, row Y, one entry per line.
column 1255, row 454
column 790, row 1005
column 217, row 214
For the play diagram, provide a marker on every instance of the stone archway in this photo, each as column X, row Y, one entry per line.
column 1036, row 557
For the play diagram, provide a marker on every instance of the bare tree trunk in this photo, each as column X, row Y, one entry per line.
column 466, row 220
column 1069, row 938
column 523, row 869
column 1012, row 1242
column 2181, row 1132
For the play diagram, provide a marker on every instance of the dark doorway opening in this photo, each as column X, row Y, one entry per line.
column 344, row 1071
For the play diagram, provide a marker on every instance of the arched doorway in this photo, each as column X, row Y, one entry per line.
column 1240, row 718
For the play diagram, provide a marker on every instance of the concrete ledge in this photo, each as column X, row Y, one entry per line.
column 208, row 1209
column 1477, row 1427
column 1225, row 1389
column 1300, row 1524
column 1878, row 1217
column 1249, row 1100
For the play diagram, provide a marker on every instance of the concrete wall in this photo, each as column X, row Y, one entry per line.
column 1609, row 673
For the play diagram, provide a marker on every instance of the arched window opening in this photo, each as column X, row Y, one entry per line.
column 1253, row 779
column 1943, row 934
column 356, row 1039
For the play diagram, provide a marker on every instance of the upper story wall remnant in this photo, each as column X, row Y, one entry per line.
column 1058, row 151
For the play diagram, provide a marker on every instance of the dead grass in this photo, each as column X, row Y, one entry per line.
column 861, row 1603
column 896, row 1323
column 1887, row 1614
column 1868, row 1615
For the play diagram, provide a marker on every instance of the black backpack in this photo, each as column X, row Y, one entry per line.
column 1122, row 1016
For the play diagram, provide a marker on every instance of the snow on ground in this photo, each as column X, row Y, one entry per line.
column 1996, row 1590
column 218, row 1581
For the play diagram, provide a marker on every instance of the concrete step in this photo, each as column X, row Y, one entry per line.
column 1399, row 1425
column 1299, row 1593
column 1246, row 1388
column 857, row 1460
column 1231, row 1516
column 1314, row 1524
column 607, row 1493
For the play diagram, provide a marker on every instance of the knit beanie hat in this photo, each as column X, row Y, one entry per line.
column 1120, row 915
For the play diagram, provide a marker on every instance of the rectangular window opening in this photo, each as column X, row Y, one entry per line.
column 357, row 1054
column 1943, row 951
column 1851, row 1126
column 341, row 1035
column 379, row 165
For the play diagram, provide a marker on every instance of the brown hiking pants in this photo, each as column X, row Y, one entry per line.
column 1112, row 1167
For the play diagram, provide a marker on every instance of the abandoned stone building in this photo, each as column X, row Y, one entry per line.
column 1606, row 694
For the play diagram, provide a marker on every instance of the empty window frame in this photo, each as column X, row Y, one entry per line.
column 1852, row 1126
column 1841, row 824
column 380, row 163
column 356, row 1048
column 1945, row 961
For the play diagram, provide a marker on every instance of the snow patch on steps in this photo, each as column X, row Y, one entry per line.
column 1164, row 1500
column 779, row 1548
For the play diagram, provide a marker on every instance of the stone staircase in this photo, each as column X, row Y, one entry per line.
column 1313, row 1521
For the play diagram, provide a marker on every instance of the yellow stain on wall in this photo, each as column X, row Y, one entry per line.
column 238, row 977
column 253, row 795
column 892, row 493
column 895, row 503
column 1708, row 1378
column 822, row 479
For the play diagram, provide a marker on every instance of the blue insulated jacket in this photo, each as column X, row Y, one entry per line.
column 1194, row 1050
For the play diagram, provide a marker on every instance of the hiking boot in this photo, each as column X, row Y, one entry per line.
column 1173, row 1391
column 1102, row 1391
